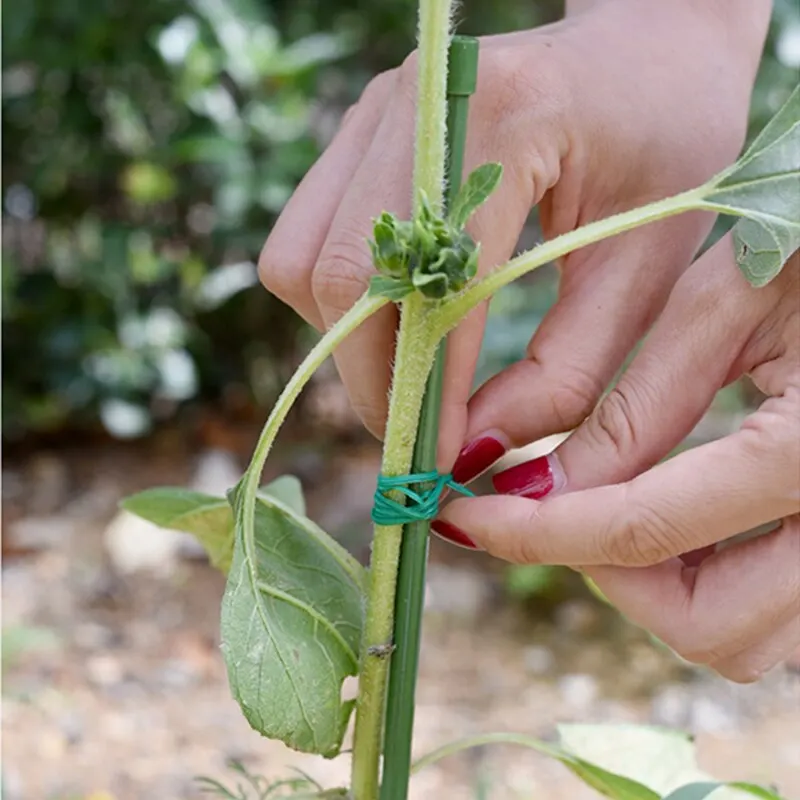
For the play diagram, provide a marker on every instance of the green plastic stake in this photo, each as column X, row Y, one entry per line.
column 462, row 77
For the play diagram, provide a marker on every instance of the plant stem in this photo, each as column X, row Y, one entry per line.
column 453, row 310
column 416, row 347
column 430, row 149
column 410, row 592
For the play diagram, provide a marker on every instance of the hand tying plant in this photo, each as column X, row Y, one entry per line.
column 623, row 115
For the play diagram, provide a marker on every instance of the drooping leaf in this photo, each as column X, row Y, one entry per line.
column 207, row 518
column 763, row 187
column 474, row 193
column 710, row 789
column 291, row 625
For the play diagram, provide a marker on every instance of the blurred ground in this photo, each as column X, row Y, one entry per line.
column 113, row 682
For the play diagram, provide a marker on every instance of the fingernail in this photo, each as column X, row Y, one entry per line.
column 533, row 479
column 478, row 455
column 452, row 534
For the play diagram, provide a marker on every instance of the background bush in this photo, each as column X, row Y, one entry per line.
column 147, row 148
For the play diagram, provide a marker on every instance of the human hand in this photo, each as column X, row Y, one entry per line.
column 625, row 103
column 737, row 609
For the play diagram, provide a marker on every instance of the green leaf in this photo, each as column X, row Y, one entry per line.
column 700, row 791
column 207, row 518
column 291, row 624
column 289, row 491
column 617, row 787
column 763, row 187
column 609, row 784
column 393, row 288
column 663, row 760
column 474, row 193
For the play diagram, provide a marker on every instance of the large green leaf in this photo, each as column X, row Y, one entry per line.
column 291, row 625
column 763, row 187
column 208, row 518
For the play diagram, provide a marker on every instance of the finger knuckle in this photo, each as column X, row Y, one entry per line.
column 612, row 422
column 279, row 271
column 574, row 397
column 524, row 548
column 520, row 78
column 638, row 538
column 342, row 272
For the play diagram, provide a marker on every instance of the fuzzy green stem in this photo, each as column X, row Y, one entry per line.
column 453, row 310
column 416, row 348
column 430, row 151
column 462, row 67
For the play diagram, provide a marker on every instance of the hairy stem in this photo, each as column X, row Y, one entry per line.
column 416, row 349
column 453, row 310
column 430, row 151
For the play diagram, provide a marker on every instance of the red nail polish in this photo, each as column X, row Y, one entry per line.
column 477, row 456
column 534, row 479
column 453, row 534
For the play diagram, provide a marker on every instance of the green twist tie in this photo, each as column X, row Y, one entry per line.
column 424, row 504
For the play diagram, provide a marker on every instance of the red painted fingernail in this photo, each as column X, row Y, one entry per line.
column 534, row 479
column 478, row 455
column 694, row 558
column 452, row 534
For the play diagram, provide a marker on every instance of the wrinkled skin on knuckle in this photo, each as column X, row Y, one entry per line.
column 767, row 440
column 639, row 537
column 523, row 92
column 612, row 422
column 573, row 397
column 342, row 272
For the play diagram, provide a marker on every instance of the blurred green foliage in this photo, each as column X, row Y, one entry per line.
column 148, row 147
